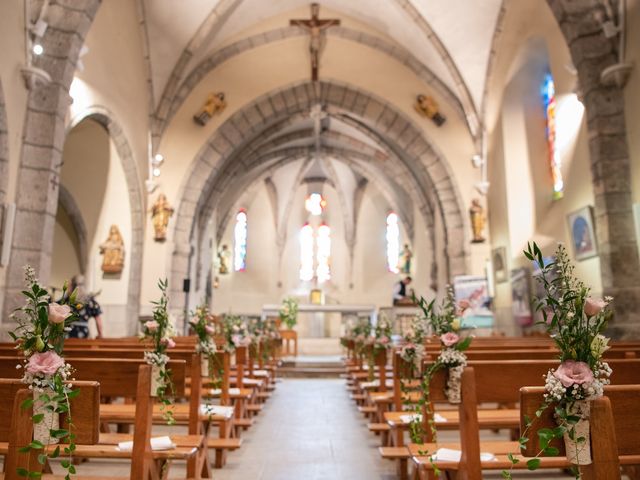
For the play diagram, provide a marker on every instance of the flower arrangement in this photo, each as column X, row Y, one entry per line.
column 412, row 349
column 201, row 323
column 236, row 332
column 289, row 312
column 159, row 332
column 575, row 321
column 40, row 337
column 446, row 325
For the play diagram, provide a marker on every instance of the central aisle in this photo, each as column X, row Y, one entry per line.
column 309, row 430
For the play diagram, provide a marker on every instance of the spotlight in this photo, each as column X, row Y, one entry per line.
column 156, row 172
column 38, row 49
column 482, row 187
column 158, row 160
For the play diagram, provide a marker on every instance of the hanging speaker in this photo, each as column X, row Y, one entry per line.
column 186, row 285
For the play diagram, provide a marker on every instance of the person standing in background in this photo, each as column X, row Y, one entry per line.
column 86, row 308
column 401, row 295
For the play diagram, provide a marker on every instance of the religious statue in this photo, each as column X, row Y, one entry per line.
column 427, row 107
column 215, row 104
column 113, row 252
column 161, row 211
column 478, row 219
column 316, row 28
column 223, row 260
column 406, row 256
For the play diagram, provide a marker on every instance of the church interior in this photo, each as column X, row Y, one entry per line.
column 328, row 181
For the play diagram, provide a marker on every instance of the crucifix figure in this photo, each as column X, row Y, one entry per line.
column 316, row 27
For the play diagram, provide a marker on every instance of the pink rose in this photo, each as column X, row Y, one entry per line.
column 209, row 329
column 384, row 339
column 449, row 339
column 593, row 306
column 46, row 363
column 571, row 372
column 151, row 325
column 168, row 342
column 194, row 320
column 58, row 313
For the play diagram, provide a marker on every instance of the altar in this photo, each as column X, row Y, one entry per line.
column 323, row 321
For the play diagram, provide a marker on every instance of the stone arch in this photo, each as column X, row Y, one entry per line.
column 210, row 166
column 43, row 139
column 173, row 98
column 592, row 53
column 104, row 117
column 69, row 205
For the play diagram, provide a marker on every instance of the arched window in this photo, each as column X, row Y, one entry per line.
column 240, row 242
column 393, row 243
column 315, row 204
column 324, row 253
column 306, row 253
column 550, row 110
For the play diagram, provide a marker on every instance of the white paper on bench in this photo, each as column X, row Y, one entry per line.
column 449, row 455
column 409, row 418
column 217, row 391
column 375, row 383
column 261, row 373
column 157, row 443
column 223, row 411
column 251, row 381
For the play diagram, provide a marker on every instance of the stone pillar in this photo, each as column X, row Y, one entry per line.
column 43, row 141
column 592, row 52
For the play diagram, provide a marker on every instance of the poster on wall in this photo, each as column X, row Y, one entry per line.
column 521, row 297
column 474, row 289
column 582, row 233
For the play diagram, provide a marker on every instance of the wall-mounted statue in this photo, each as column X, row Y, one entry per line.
column 113, row 252
column 405, row 259
column 215, row 104
column 161, row 211
column 428, row 107
column 224, row 255
column 478, row 219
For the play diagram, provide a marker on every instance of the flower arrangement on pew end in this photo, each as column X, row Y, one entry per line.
column 236, row 332
column 40, row 336
column 575, row 321
column 378, row 344
column 159, row 333
column 202, row 324
column 289, row 312
column 446, row 325
column 412, row 349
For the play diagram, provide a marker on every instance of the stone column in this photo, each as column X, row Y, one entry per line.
column 592, row 52
column 43, row 141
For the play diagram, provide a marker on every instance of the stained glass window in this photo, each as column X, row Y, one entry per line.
column 306, row 253
column 555, row 162
column 240, row 242
column 393, row 243
column 324, row 253
column 315, row 204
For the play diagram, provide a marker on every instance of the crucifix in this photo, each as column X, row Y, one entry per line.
column 316, row 27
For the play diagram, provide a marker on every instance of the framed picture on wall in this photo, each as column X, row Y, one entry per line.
column 583, row 236
column 499, row 263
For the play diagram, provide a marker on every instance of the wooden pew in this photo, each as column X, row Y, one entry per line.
column 614, row 424
column 123, row 378
column 16, row 425
column 496, row 382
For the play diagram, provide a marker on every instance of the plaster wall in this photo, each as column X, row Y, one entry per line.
column 94, row 176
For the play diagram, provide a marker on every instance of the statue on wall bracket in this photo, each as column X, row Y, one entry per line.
column 215, row 104
column 406, row 257
column 428, row 107
column 478, row 220
column 113, row 252
column 161, row 211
